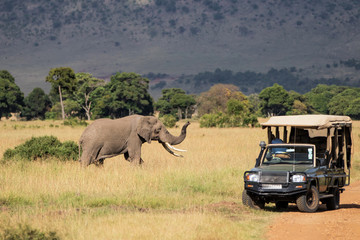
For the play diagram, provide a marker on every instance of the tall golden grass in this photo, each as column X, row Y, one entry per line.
column 195, row 197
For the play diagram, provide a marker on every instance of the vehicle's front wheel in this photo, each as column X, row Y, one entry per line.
column 248, row 201
column 333, row 203
column 308, row 202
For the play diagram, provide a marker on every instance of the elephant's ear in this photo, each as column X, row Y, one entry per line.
column 144, row 128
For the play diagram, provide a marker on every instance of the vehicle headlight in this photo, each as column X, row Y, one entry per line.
column 298, row 178
column 252, row 177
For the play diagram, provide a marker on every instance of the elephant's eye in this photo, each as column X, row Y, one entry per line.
column 157, row 130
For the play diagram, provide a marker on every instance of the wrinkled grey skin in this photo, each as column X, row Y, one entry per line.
column 106, row 138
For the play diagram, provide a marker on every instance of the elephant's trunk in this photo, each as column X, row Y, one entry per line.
column 173, row 140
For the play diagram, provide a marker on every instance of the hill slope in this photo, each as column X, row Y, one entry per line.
column 175, row 37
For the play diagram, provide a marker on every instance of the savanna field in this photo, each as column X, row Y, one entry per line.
column 195, row 197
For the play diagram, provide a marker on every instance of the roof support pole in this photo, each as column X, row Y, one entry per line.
column 269, row 135
column 285, row 135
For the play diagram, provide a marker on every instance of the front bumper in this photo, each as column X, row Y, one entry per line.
column 275, row 192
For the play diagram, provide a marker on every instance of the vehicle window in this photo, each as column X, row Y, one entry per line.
column 289, row 155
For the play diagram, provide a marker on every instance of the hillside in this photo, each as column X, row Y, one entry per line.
column 178, row 37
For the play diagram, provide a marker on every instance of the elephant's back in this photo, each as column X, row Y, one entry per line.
column 104, row 129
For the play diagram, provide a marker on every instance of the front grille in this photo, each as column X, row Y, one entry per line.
column 274, row 177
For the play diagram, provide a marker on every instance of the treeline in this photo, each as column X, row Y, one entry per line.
column 82, row 96
column 250, row 82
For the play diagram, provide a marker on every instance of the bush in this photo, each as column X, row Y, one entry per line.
column 43, row 147
column 74, row 122
column 169, row 120
column 227, row 120
column 26, row 232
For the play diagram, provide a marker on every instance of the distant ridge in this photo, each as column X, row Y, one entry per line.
column 179, row 37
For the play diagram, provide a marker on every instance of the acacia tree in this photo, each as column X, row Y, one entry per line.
column 11, row 98
column 62, row 79
column 176, row 102
column 87, row 84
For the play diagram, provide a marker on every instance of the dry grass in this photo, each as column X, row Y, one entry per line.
column 195, row 197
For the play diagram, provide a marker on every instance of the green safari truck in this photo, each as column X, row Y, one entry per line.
column 307, row 161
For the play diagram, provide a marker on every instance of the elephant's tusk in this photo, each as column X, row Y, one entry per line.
column 170, row 151
column 176, row 149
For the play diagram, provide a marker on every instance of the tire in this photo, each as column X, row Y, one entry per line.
column 309, row 202
column 281, row 205
column 249, row 202
column 333, row 203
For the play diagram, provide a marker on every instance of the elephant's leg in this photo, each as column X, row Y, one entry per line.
column 85, row 158
column 127, row 158
column 133, row 157
column 99, row 162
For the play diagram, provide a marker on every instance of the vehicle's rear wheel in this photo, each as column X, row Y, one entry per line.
column 248, row 201
column 308, row 202
column 281, row 205
column 333, row 203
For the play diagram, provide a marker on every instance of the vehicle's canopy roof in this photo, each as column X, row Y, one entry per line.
column 308, row 121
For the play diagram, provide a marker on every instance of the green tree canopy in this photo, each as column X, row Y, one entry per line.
column 275, row 101
column 354, row 109
column 36, row 104
column 128, row 95
column 86, row 94
column 11, row 98
column 341, row 102
column 176, row 102
column 320, row 96
column 64, row 82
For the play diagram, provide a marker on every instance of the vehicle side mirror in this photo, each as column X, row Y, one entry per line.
column 321, row 162
column 262, row 144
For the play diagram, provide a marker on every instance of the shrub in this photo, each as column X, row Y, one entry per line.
column 169, row 120
column 227, row 120
column 26, row 232
column 43, row 147
column 74, row 122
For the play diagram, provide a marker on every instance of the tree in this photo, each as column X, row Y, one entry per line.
column 320, row 96
column 36, row 104
column 85, row 94
column 353, row 110
column 342, row 101
column 275, row 101
column 183, row 103
column 215, row 100
column 129, row 95
column 11, row 98
column 176, row 102
column 300, row 104
column 63, row 79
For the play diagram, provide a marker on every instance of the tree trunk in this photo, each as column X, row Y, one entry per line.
column 179, row 113
column 62, row 104
column 87, row 107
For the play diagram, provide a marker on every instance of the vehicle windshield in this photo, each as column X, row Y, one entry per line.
column 285, row 154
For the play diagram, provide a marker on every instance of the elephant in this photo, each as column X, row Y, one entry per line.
column 106, row 138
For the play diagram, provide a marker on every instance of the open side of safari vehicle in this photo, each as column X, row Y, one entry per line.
column 307, row 161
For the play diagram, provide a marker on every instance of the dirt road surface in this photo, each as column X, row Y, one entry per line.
column 343, row 223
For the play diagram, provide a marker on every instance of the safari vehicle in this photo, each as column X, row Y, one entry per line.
column 309, row 165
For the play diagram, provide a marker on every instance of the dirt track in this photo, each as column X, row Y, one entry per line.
column 339, row 224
